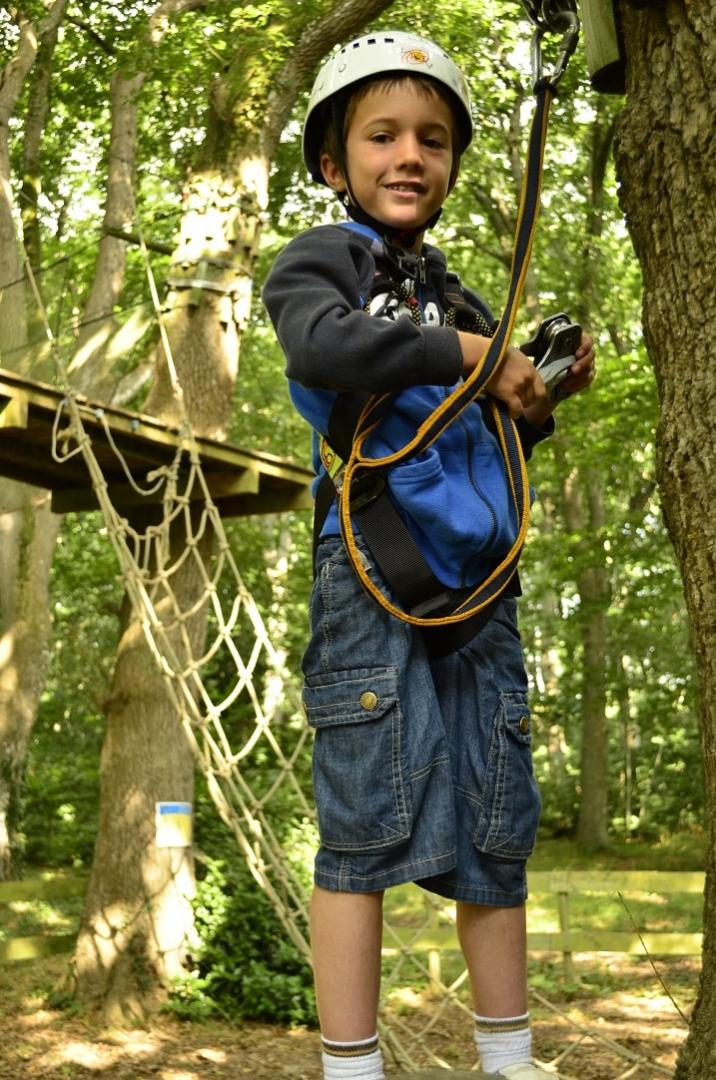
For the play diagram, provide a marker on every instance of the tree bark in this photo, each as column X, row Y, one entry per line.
column 667, row 170
column 138, row 923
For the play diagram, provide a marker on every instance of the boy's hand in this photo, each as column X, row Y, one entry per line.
column 516, row 382
column 582, row 371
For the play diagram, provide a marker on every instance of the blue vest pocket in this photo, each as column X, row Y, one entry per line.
column 457, row 500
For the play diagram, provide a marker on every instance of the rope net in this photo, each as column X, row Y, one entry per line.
column 250, row 741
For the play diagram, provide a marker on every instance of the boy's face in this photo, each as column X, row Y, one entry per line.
column 399, row 152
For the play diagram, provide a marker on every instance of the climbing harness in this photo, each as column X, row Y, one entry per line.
column 392, row 546
column 361, row 480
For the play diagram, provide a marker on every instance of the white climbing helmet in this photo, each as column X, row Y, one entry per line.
column 384, row 52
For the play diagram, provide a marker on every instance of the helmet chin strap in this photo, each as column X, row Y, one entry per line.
column 404, row 238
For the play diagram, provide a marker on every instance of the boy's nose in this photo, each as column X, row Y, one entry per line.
column 408, row 150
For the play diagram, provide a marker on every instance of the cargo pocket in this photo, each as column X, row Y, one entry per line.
column 507, row 823
column 359, row 776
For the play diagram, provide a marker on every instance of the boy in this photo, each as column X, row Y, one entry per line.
column 422, row 761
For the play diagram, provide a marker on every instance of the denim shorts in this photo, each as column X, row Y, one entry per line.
column 422, row 771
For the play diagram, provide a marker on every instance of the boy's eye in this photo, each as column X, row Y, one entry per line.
column 434, row 144
column 380, row 137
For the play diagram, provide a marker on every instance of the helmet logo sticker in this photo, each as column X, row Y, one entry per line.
column 416, row 56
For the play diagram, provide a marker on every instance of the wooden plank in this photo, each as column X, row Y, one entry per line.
column 221, row 486
column 31, row 948
column 143, row 428
column 612, row 881
column 44, row 888
column 277, row 501
column 14, row 412
column 657, row 943
column 28, row 411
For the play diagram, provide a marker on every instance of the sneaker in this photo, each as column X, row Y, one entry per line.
column 523, row 1071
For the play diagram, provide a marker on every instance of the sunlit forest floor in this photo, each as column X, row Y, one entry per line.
column 615, row 997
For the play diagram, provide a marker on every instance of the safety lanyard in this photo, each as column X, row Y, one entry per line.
column 362, row 475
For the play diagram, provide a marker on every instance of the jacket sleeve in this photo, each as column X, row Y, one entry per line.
column 314, row 295
column 531, row 435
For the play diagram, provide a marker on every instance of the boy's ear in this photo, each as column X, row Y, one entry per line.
column 332, row 173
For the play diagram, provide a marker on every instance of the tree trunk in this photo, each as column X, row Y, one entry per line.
column 29, row 532
column 585, row 514
column 89, row 371
column 28, row 528
column 667, row 170
column 138, row 922
column 583, row 509
column 37, row 111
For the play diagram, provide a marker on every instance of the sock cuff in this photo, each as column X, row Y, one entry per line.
column 489, row 1025
column 357, row 1049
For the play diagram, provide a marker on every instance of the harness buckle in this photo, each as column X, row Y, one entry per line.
column 365, row 490
column 332, row 463
column 435, row 606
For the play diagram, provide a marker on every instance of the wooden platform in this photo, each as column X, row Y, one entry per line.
column 240, row 481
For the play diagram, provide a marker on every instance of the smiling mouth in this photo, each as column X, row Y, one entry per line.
column 408, row 188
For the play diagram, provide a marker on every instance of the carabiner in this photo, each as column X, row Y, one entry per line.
column 552, row 17
column 562, row 20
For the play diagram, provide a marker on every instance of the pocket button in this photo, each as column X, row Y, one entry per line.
column 369, row 700
column 524, row 724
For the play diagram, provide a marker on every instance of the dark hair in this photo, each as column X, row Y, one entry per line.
column 340, row 110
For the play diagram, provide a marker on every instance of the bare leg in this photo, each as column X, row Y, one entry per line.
column 494, row 943
column 346, row 930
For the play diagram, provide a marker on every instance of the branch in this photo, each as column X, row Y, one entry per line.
column 497, row 212
column 463, row 232
column 38, row 107
column 343, row 21
column 135, row 238
column 91, row 33
column 17, row 69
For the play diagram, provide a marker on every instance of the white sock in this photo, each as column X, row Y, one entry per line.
column 360, row 1060
column 501, row 1041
